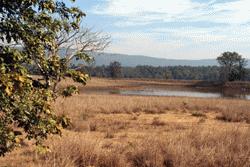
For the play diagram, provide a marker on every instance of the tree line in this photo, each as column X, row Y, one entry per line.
column 232, row 67
column 208, row 73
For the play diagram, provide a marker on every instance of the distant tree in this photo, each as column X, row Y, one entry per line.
column 168, row 75
column 115, row 69
column 242, row 68
column 208, row 73
column 232, row 66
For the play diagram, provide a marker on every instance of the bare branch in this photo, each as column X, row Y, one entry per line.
column 84, row 41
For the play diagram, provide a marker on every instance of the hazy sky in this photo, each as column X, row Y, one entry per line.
column 179, row 29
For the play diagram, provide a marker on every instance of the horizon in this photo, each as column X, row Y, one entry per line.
column 180, row 29
column 165, row 57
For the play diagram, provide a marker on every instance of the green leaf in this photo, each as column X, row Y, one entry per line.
column 25, row 99
column 69, row 91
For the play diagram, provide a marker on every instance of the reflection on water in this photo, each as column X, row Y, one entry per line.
column 187, row 93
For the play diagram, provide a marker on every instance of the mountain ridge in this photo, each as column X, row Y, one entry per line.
column 135, row 60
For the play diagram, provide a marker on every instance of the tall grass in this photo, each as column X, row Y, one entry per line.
column 134, row 131
column 230, row 110
column 198, row 147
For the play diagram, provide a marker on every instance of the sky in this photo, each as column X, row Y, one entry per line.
column 173, row 29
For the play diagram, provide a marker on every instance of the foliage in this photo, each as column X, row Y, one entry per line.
column 232, row 66
column 208, row 73
column 31, row 36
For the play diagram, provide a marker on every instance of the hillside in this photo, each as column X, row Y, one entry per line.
column 134, row 60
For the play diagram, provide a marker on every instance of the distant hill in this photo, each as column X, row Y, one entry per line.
column 134, row 60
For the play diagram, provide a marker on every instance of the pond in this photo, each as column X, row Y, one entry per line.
column 187, row 93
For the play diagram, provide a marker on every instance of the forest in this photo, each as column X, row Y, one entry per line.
column 207, row 73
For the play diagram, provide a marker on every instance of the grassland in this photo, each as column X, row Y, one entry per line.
column 111, row 130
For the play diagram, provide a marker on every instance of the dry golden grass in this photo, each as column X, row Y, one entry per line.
column 137, row 131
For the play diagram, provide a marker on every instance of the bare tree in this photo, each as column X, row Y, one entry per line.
column 82, row 42
column 70, row 44
column 77, row 44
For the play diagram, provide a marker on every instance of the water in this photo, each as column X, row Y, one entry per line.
column 187, row 93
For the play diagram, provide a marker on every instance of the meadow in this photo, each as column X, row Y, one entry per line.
column 113, row 130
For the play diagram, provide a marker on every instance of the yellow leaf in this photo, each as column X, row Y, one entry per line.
column 47, row 111
column 17, row 140
column 8, row 91
column 20, row 78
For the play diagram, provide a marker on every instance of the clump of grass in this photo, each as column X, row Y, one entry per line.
column 73, row 151
column 117, row 125
column 185, row 106
column 146, row 155
column 115, row 92
column 153, row 111
column 84, row 116
column 198, row 114
column 134, row 118
column 202, row 120
column 92, row 126
column 109, row 134
column 231, row 116
column 78, row 126
column 141, row 158
column 137, row 109
column 196, row 148
column 157, row 122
